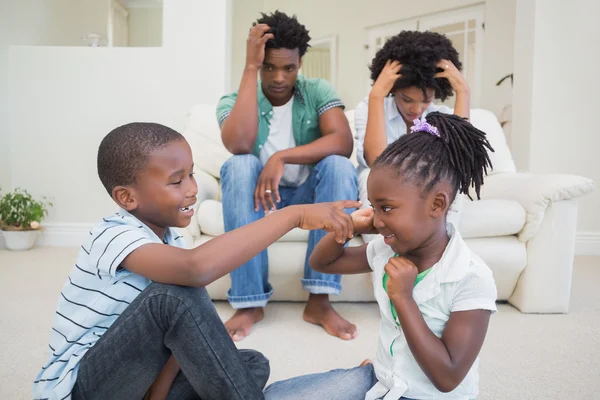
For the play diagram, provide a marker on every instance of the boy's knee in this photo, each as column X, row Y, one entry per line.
column 187, row 294
column 258, row 364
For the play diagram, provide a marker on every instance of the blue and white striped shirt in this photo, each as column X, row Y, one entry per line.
column 95, row 293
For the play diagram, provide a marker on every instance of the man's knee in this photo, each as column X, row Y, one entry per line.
column 338, row 166
column 241, row 167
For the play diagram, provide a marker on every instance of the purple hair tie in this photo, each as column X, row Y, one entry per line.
column 420, row 125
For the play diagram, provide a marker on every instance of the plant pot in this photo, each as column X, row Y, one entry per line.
column 20, row 240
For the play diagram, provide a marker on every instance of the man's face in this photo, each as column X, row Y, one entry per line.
column 278, row 74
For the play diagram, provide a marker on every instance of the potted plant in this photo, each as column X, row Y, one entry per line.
column 20, row 217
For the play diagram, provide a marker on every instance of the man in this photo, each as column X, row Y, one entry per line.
column 291, row 142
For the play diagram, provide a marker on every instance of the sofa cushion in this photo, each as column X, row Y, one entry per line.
column 490, row 218
column 204, row 136
column 483, row 218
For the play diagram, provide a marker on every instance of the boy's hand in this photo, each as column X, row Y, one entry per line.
column 401, row 278
column 267, row 187
column 363, row 221
column 329, row 217
column 255, row 45
column 454, row 76
column 386, row 79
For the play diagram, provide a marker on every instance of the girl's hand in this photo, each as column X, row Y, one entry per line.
column 454, row 76
column 386, row 79
column 401, row 278
column 363, row 221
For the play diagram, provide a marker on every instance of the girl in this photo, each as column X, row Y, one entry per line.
column 410, row 71
column 435, row 296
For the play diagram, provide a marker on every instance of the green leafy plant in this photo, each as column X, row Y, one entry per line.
column 19, row 211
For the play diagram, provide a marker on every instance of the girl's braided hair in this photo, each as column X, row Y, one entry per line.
column 457, row 152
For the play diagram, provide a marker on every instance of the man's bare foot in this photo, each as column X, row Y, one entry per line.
column 240, row 325
column 319, row 311
column 365, row 363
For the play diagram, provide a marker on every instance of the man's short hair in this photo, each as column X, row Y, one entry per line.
column 288, row 32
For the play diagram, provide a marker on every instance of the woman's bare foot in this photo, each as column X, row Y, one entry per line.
column 240, row 325
column 365, row 363
column 319, row 311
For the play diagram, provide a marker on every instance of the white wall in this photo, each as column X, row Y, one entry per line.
column 39, row 23
column 64, row 100
column 349, row 20
column 145, row 27
column 68, row 20
column 559, row 83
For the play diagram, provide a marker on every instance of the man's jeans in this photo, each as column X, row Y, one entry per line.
column 165, row 320
column 332, row 179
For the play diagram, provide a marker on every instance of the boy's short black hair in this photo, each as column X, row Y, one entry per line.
column 289, row 33
column 418, row 52
column 125, row 151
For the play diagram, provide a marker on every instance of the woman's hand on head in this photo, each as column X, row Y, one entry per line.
column 363, row 221
column 455, row 77
column 386, row 79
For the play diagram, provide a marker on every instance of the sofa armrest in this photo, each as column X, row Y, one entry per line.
column 535, row 192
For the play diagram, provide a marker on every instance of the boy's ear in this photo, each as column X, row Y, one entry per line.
column 125, row 197
column 440, row 204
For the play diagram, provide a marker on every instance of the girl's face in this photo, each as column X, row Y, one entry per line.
column 411, row 103
column 407, row 218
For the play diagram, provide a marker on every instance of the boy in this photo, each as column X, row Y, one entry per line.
column 134, row 310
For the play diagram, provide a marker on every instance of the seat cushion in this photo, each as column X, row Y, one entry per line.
column 482, row 218
column 506, row 256
column 491, row 218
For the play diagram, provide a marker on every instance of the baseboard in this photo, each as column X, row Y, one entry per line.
column 587, row 243
column 60, row 235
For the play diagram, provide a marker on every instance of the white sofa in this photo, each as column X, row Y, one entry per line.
column 523, row 227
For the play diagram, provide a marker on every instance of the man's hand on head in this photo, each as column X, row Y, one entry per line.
column 255, row 45
column 267, row 187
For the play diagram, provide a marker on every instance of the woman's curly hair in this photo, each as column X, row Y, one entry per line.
column 418, row 52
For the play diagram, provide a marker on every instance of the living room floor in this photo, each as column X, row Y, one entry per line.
column 526, row 356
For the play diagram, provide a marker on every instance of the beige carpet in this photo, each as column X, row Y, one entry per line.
column 525, row 356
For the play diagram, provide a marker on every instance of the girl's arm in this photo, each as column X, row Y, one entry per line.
column 331, row 257
column 446, row 360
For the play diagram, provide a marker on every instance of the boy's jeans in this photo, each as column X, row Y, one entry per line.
column 332, row 179
column 165, row 320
